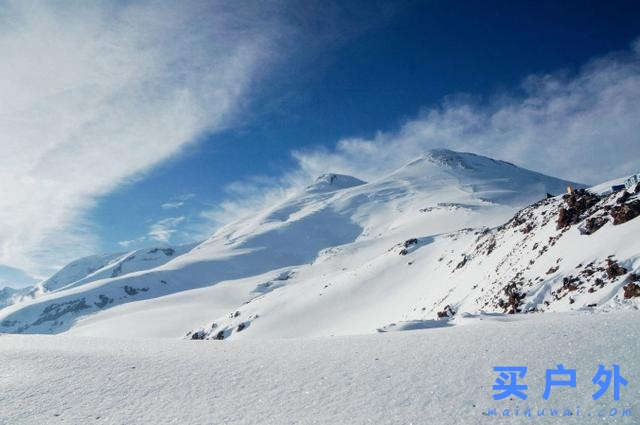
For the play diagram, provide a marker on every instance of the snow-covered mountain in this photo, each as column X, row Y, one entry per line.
column 571, row 252
column 95, row 267
column 10, row 295
column 342, row 256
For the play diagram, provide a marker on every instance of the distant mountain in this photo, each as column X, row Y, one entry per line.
column 14, row 284
column 10, row 295
column 327, row 260
column 95, row 267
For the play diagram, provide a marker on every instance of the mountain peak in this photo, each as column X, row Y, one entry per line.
column 330, row 182
column 488, row 179
column 447, row 158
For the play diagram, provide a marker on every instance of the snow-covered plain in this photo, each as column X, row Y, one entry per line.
column 431, row 376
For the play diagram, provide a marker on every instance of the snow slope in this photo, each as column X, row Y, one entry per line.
column 534, row 262
column 339, row 229
column 435, row 376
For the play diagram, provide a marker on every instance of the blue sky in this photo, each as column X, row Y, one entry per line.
column 161, row 123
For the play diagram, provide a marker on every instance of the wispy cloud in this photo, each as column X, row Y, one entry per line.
column 583, row 127
column 186, row 197
column 163, row 230
column 132, row 242
column 94, row 94
column 15, row 278
column 172, row 205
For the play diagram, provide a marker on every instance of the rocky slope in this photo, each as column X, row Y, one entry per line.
column 570, row 252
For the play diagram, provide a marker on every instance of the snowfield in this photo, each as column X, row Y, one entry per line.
column 431, row 376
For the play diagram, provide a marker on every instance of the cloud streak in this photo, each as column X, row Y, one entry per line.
column 172, row 205
column 93, row 95
column 162, row 230
column 583, row 127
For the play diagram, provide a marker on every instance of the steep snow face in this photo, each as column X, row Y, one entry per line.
column 337, row 223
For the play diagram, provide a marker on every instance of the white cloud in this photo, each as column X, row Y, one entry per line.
column 248, row 196
column 186, row 197
column 172, row 205
column 15, row 278
column 163, row 230
column 94, row 94
column 132, row 242
column 584, row 127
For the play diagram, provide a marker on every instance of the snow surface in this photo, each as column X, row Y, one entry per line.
column 432, row 376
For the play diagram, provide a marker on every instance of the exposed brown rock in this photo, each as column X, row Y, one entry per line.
column 198, row 335
column 631, row 290
column 514, row 299
column 614, row 269
column 571, row 283
column 625, row 212
column 410, row 242
column 553, row 270
column 593, row 224
column 623, row 198
column 576, row 204
column 447, row 312
column 462, row 262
